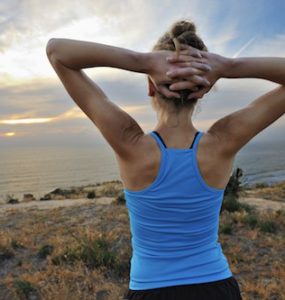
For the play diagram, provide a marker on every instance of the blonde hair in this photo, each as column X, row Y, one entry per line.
column 180, row 32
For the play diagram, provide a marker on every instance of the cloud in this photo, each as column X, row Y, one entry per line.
column 29, row 87
column 271, row 46
column 246, row 45
column 27, row 22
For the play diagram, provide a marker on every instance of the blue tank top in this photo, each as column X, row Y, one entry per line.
column 174, row 224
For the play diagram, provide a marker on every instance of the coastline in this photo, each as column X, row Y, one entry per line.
column 262, row 196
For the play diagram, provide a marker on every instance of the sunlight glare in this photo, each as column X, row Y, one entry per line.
column 26, row 121
column 9, row 133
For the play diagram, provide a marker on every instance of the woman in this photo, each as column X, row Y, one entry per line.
column 175, row 176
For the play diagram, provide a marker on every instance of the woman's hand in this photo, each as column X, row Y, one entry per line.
column 159, row 66
column 183, row 73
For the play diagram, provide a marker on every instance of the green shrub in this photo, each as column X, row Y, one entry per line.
column 122, row 268
column 11, row 200
column 45, row 251
column 109, row 191
column 94, row 253
column 121, row 198
column 91, row 195
column 23, row 287
column 5, row 253
column 69, row 256
column 280, row 212
column 16, row 245
column 248, row 208
column 231, row 203
column 268, row 226
column 261, row 185
column 20, row 263
column 233, row 186
column 251, row 220
column 226, row 228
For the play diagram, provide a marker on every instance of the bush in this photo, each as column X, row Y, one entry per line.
column 23, row 287
column 226, row 228
column 109, row 190
column 280, row 212
column 231, row 203
column 122, row 268
column 121, row 198
column 5, row 253
column 248, row 208
column 268, row 226
column 233, row 186
column 69, row 256
column 91, row 195
column 94, row 253
column 20, row 263
column 45, row 251
column 16, row 245
column 11, row 200
column 261, row 185
column 251, row 220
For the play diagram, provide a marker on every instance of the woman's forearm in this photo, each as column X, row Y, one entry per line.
column 269, row 68
column 77, row 54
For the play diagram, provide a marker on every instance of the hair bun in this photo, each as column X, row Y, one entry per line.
column 182, row 27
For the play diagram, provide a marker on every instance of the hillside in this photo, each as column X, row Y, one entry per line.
column 81, row 250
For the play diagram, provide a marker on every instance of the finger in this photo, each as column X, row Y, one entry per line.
column 190, row 50
column 180, row 58
column 199, row 94
column 201, row 66
column 183, row 85
column 184, row 58
column 184, row 46
column 181, row 72
column 197, row 80
column 167, row 93
column 193, row 64
column 200, row 80
column 187, row 48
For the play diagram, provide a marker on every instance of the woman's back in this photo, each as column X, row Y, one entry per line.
column 140, row 170
column 174, row 223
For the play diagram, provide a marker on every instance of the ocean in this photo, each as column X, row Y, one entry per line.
column 39, row 170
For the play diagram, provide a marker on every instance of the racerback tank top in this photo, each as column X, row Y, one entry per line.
column 174, row 224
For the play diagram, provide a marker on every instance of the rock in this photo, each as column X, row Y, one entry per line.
column 60, row 194
column 45, row 197
column 28, row 197
column 13, row 201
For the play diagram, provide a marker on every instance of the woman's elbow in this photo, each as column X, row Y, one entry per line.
column 50, row 47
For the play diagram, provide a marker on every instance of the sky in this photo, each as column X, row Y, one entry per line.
column 36, row 110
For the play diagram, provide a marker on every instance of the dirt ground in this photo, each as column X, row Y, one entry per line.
column 50, row 204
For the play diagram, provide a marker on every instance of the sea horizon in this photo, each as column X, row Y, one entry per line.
column 39, row 170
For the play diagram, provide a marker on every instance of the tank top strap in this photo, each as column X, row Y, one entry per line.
column 158, row 139
column 196, row 140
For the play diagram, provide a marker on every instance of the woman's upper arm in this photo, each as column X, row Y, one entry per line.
column 117, row 126
column 238, row 128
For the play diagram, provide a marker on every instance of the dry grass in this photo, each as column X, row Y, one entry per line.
column 275, row 192
column 83, row 252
